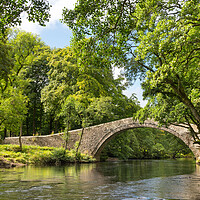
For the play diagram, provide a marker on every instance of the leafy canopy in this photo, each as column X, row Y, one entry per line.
column 156, row 41
column 24, row 50
column 11, row 12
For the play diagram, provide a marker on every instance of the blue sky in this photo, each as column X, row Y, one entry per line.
column 58, row 35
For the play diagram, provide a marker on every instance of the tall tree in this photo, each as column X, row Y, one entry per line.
column 156, row 41
column 36, row 73
column 25, row 48
column 12, row 108
column 62, row 82
column 83, row 92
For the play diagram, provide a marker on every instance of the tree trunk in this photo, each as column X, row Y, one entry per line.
column 55, row 126
column 20, row 137
column 180, row 92
column 41, row 112
column 5, row 132
column 34, row 114
column 79, row 143
column 27, row 124
column 51, row 124
column 66, row 135
column 27, row 120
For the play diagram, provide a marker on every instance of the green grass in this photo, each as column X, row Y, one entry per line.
column 36, row 155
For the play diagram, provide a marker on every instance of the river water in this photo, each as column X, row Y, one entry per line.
column 137, row 179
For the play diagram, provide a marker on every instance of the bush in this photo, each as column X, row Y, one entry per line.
column 58, row 156
column 42, row 155
column 41, row 158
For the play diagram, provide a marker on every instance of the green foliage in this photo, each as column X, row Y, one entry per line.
column 58, row 156
column 81, row 92
column 41, row 155
column 100, row 110
column 145, row 143
column 62, row 78
column 17, row 53
column 156, row 41
column 36, row 73
column 12, row 103
column 51, row 90
column 6, row 63
column 10, row 12
column 24, row 48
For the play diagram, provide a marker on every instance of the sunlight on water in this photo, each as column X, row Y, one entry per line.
column 138, row 179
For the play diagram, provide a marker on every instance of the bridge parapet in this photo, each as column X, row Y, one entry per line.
column 96, row 137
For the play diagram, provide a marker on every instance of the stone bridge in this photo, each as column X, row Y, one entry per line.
column 96, row 137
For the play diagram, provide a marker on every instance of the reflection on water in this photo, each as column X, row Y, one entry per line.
column 138, row 179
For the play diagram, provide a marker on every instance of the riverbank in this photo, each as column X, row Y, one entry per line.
column 11, row 156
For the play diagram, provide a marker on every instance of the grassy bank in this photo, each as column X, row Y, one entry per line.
column 36, row 155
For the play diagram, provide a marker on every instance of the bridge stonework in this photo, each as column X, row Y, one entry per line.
column 96, row 137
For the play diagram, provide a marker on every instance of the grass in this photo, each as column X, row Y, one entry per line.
column 35, row 155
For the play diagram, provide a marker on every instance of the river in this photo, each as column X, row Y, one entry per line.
column 137, row 179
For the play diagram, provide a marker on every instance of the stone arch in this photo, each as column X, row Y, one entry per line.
column 95, row 137
column 112, row 129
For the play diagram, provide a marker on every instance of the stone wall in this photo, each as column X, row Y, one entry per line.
column 96, row 137
column 53, row 140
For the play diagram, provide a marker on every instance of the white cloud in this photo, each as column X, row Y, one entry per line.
column 56, row 15
column 56, row 9
column 29, row 26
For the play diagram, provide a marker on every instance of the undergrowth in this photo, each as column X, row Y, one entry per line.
column 36, row 155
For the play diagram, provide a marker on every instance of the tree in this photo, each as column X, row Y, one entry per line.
column 10, row 15
column 36, row 73
column 156, row 41
column 89, row 82
column 12, row 108
column 62, row 77
column 24, row 48
column 6, row 64
column 70, row 115
column 83, row 92
column 11, row 12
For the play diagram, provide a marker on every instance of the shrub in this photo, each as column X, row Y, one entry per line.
column 41, row 158
column 42, row 155
column 58, row 156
